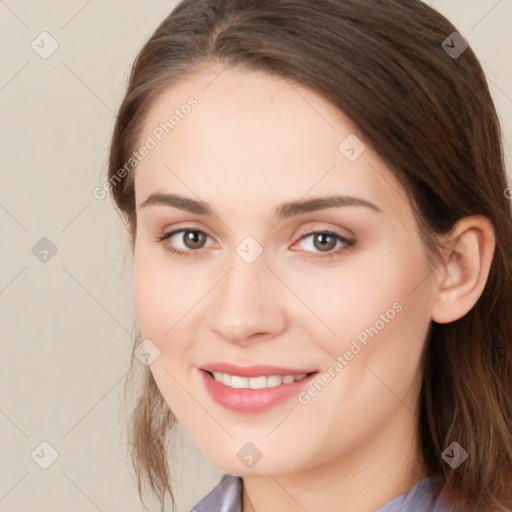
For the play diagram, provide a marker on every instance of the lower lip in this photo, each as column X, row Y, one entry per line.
column 252, row 400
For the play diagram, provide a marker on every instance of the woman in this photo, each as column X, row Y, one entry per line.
column 322, row 242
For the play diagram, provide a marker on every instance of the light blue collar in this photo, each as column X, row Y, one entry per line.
column 424, row 496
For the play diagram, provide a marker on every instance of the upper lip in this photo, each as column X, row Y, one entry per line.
column 253, row 371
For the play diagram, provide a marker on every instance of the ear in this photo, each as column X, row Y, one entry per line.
column 467, row 260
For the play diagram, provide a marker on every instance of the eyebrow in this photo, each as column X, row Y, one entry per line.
column 283, row 211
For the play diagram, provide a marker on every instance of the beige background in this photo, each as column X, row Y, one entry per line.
column 65, row 323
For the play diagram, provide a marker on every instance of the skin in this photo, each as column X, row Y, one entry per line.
column 253, row 142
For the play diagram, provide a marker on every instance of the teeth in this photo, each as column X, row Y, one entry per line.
column 255, row 382
column 272, row 381
column 261, row 382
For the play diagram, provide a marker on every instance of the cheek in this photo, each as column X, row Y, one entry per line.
column 162, row 293
column 159, row 309
column 166, row 301
column 373, row 369
column 378, row 288
column 383, row 327
column 380, row 314
column 158, row 312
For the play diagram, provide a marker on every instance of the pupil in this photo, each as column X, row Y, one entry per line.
column 194, row 238
column 322, row 238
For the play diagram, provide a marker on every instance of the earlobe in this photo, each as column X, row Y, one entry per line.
column 463, row 275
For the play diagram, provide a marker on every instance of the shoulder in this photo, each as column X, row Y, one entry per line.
column 226, row 496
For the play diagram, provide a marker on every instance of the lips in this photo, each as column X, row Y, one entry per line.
column 230, row 385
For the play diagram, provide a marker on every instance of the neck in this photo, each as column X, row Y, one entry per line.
column 360, row 480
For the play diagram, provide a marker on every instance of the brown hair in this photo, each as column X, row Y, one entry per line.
column 430, row 117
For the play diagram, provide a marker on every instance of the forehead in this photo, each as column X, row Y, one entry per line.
column 256, row 136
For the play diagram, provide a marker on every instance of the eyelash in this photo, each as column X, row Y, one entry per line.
column 331, row 254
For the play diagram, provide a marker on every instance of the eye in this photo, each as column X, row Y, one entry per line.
column 324, row 244
column 193, row 240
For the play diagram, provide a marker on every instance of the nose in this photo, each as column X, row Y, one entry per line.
column 247, row 304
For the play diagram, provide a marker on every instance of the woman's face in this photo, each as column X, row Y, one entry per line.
column 269, row 276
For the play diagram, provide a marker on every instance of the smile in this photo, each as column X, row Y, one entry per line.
column 260, row 382
column 256, row 393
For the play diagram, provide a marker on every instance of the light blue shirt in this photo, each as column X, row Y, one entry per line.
column 226, row 496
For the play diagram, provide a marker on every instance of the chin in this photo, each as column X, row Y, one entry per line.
column 262, row 467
